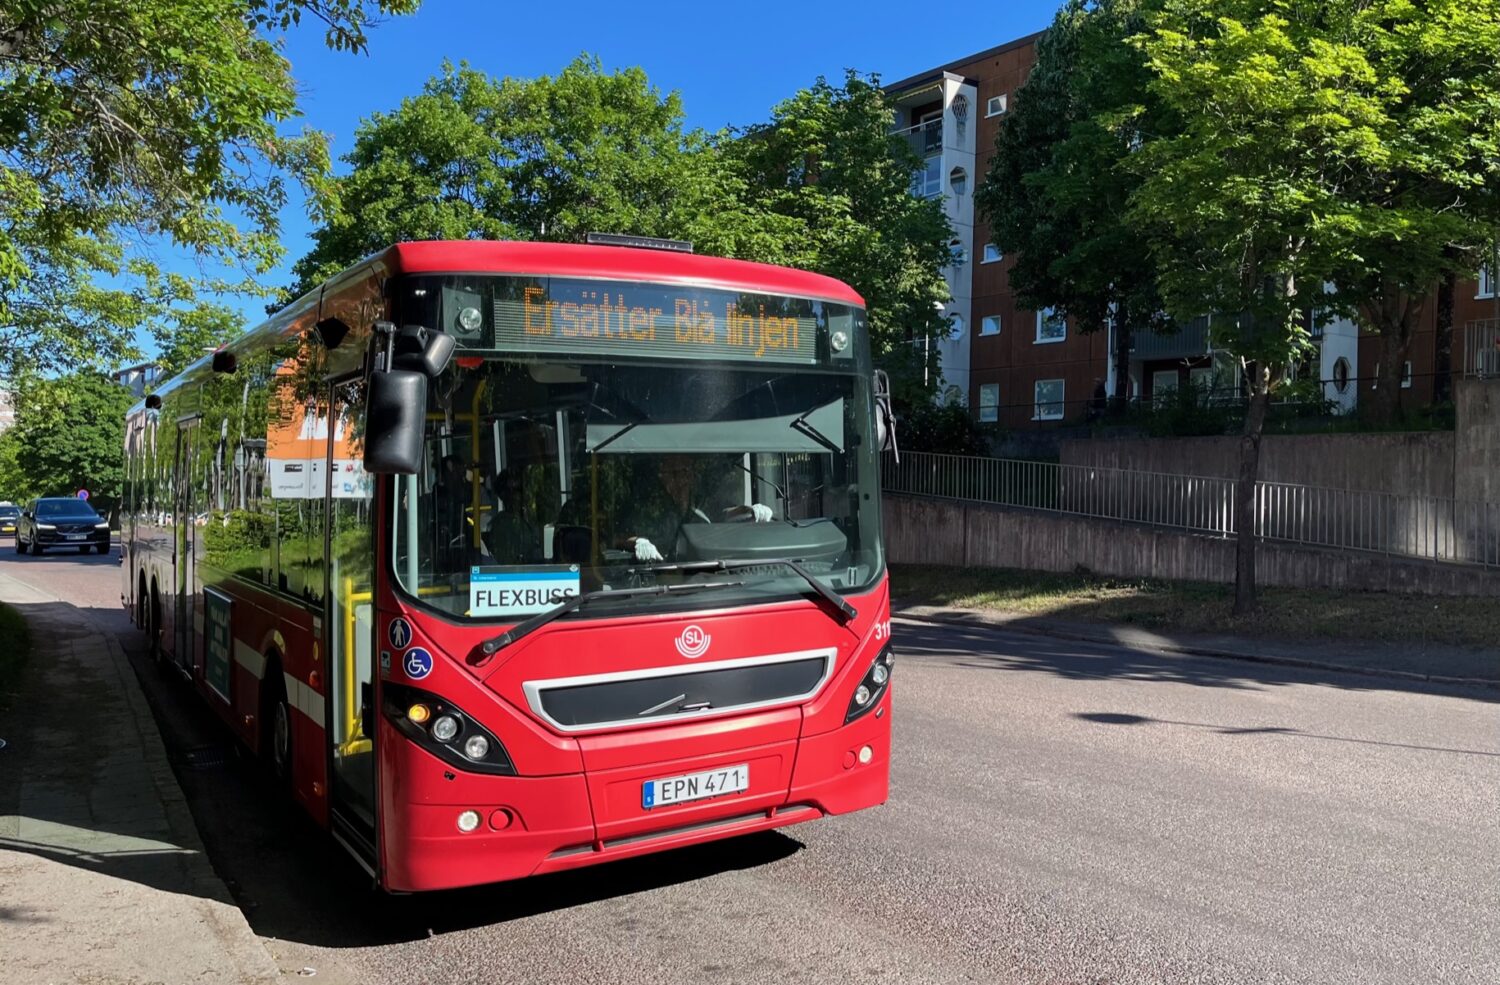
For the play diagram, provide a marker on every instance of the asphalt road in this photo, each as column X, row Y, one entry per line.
column 1060, row 812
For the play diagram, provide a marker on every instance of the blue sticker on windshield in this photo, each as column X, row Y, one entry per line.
column 400, row 633
column 417, row 662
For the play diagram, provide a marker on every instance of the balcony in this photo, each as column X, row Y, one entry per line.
column 1189, row 341
column 924, row 139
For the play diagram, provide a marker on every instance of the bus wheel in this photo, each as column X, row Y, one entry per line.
column 153, row 629
column 140, row 602
column 276, row 719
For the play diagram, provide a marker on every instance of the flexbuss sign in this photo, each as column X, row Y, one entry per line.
column 661, row 322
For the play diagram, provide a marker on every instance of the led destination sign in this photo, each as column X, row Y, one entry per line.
column 649, row 320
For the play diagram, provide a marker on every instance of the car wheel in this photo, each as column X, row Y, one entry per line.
column 101, row 548
column 84, row 549
column 36, row 549
column 20, row 545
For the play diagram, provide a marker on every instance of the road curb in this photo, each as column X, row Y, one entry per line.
column 970, row 618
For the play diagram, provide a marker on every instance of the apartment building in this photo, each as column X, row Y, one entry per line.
column 1024, row 369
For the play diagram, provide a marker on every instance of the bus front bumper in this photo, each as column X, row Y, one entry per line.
column 535, row 825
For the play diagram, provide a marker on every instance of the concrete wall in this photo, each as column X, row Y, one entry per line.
column 1415, row 464
column 1477, row 440
column 951, row 532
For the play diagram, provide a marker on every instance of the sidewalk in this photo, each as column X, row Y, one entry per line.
column 102, row 875
column 1436, row 663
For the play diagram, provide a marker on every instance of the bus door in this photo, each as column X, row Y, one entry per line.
column 350, row 628
column 186, row 509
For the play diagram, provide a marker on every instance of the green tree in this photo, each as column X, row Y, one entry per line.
column 125, row 124
column 826, row 187
column 550, row 158
column 1350, row 144
column 183, row 335
column 1059, row 186
column 69, row 434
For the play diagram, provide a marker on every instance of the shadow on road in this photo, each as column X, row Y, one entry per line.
column 1120, row 718
column 1001, row 648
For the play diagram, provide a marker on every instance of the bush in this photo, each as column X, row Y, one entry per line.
column 948, row 429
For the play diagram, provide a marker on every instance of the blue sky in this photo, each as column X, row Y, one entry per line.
column 730, row 62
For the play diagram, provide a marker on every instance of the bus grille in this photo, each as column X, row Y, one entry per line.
column 673, row 693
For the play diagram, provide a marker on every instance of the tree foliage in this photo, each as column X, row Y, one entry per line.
column 1059, row 186
column 69, row 435
column 129, row 124
column 1354, row 144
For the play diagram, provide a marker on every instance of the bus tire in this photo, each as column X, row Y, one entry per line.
column 153, row 628
column 276, row 725
column 140, row 603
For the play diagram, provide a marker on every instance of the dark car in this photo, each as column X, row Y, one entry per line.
column 8, row 517
column 61, row 522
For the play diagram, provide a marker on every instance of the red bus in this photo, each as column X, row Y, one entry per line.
column 511, row 557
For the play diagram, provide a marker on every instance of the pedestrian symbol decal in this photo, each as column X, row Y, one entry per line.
column 418, row 663
column 400, row 634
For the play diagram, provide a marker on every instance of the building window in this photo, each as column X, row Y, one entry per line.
column 1049, row 400
column 955, row 327
column 958, row 180
column 1050, row 327
column 997, row 105
column 1163, row 386
column 927, row 180
column 989, row 325
column 989, row 403
column 956, row 251
column 1406, row 375
column 992, row 254
column 1486, row 282
column 1341, row 374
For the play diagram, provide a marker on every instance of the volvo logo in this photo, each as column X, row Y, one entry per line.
column 693, row 642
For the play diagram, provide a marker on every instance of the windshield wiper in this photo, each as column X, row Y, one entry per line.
column 828, row 595
column 490, row 647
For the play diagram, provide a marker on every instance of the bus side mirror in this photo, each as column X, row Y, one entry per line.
column 885, row 417
column 395, row 413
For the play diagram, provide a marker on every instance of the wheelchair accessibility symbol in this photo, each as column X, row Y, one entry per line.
column 400, row 634
column 417, row 662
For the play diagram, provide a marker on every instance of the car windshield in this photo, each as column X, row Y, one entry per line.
column 10, row 512
column 69, row 508
column 546, row 477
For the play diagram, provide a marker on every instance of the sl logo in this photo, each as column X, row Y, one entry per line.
column 693, row 642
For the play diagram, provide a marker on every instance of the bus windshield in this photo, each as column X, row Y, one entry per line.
column 548, row 476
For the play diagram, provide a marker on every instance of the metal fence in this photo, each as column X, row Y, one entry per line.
column 1481, row 349
column 1425, row 527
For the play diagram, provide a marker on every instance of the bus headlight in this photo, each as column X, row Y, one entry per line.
column 445, row 730
column 872, row 688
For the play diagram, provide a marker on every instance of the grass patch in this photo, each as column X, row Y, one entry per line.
column 1194, row 607
column 15, row 647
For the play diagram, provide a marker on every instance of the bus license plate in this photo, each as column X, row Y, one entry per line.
column 695, row 786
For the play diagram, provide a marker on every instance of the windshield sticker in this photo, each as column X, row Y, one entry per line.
column 520, row 591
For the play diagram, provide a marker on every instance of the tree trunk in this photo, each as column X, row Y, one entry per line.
column 1246, row 520
column 1121, row 397
column 1442, row 360
column 1394, row 318
column 1385, row 399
